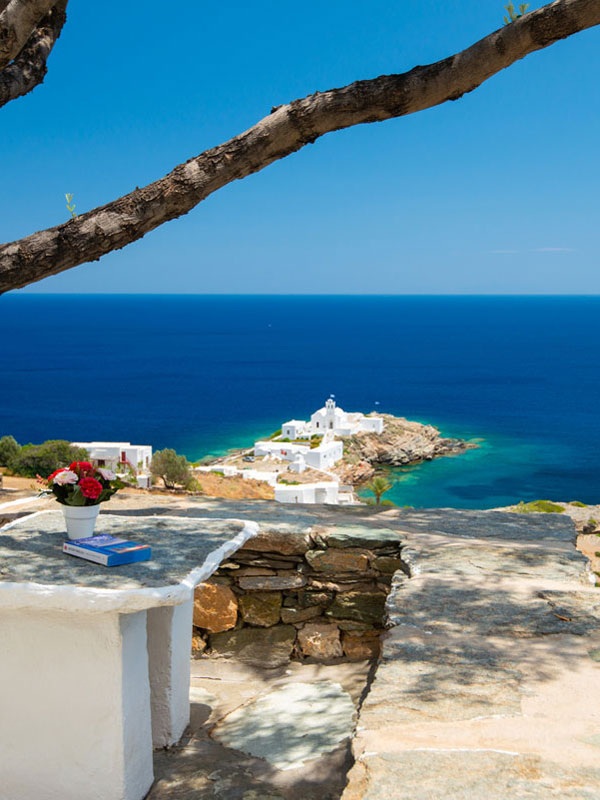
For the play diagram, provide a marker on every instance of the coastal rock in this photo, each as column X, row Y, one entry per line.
column 402, row 442
column 215, row 607
column 320, row 640
column 259, row 647
column 261, row 608
column 364, row 607
column 335, row 561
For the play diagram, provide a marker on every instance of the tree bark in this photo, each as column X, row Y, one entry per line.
column 29, row 67
column 284, row 131
column 17, row 22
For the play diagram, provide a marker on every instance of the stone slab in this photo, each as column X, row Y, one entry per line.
column 469, row 775
column 291, row 725
column 31, row 551
column 261, row 647
column 436, row 604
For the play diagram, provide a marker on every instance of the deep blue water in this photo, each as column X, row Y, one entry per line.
column 204, row 373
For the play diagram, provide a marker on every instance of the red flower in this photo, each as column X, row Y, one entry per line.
column 83, row 468
column 91, row 488
column 55, row 473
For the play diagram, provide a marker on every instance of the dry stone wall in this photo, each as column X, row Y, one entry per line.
column 318, row 595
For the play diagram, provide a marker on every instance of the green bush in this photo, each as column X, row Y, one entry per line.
column 539, row 506
column 42, row 459
column 577, row 503
column 9, row 449
column 172, row 468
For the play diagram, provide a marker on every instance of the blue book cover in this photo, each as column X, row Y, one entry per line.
column 108, row 550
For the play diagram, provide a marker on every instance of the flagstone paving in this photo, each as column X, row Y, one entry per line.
column 488, row 684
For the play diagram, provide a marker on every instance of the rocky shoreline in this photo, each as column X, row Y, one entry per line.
column 402, row 443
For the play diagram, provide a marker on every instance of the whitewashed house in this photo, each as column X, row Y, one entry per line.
column 328, row 453
column 323, row 492
column 295, row 429
column 122, row 458
column 341, row 423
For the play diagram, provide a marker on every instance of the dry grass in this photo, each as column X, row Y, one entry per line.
column 234, row 488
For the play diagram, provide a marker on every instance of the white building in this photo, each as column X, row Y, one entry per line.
column 295, row 429
column 341, row 423
column 323, row 492
column 327, row 422
column 122, row 458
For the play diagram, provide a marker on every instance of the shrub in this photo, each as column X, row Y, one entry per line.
column 172, row 468
column 42, row 459
column 577, row 503
column 9, row 450
column 539, row 506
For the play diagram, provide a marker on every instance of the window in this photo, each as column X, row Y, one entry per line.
column 101, row 462
column 123, row 456
column 317, row 424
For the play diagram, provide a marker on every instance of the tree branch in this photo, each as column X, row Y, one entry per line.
column 29, row 68
column 284, row 131
column 17, row 22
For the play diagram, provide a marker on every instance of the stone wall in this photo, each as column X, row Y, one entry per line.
column 318, row 595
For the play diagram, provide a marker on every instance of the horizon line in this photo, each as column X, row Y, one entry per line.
column 20, row 293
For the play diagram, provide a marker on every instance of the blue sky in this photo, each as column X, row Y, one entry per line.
column 495, row 193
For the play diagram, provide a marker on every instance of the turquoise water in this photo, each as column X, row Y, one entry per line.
column 203, row 374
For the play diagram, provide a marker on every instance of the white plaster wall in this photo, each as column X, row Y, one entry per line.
column 74, row 706
column 169, row 647
column 372, row 424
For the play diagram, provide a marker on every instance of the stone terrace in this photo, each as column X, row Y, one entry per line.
column 488, row 681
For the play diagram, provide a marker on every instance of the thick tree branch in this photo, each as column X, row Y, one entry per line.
column 17, row 22
column 284, row 131
column 29, row 68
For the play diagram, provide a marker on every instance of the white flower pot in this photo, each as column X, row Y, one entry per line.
column 80, row 520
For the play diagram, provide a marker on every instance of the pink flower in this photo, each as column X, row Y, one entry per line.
column 107, row 474
column 65, row 476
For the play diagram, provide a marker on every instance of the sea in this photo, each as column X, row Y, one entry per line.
column 201, row 374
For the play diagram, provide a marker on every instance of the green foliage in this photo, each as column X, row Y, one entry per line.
column 9, row 450
column 379, row 486
column 577, row 503
column 193, row 485
column 512, row 14
column 289, row 483
column 172, row 468
column 42, row 459
column 286, row 439
column 275, row 434
column 539, row 506
column 71, row 205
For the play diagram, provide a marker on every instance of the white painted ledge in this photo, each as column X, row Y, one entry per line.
column 20, row 595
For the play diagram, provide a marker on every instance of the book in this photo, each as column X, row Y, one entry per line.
column 108, row 550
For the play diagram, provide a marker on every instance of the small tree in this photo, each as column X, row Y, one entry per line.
column 379, row 486
column 9, row 450
column 42, row 459
column 172, row 468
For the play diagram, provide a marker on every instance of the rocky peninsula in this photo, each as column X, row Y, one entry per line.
column 403, row 442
